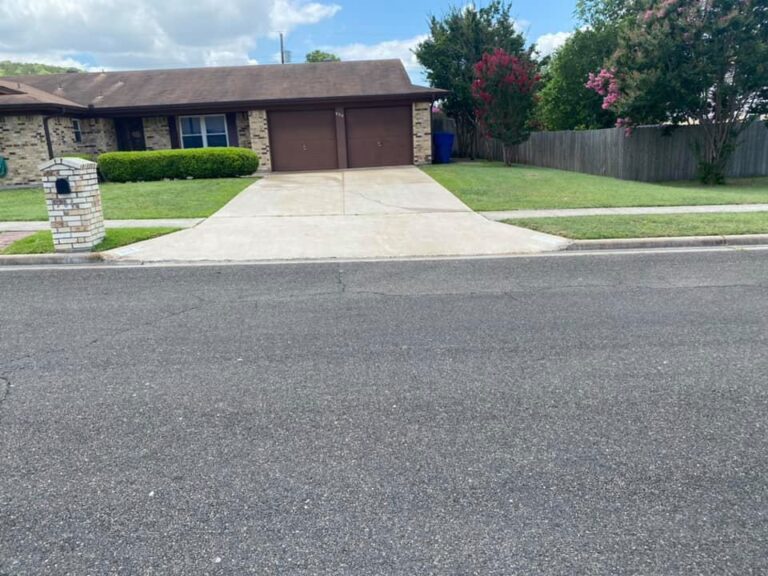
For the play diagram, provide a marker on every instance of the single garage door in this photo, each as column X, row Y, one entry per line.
column 379, row 136
column 304, row 140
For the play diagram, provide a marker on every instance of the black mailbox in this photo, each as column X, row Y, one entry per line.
column 62, row 186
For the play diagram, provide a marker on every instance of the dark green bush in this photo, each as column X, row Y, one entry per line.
column 174, row 164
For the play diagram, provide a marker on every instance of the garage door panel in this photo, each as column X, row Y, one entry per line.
column 379, row 136
column 303, row 140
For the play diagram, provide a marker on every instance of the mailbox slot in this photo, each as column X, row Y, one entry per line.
column 62, row 186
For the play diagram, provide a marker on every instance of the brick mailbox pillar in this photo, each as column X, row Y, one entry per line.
column 73, row 199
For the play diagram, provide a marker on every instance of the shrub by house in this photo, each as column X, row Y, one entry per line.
column 176, row 164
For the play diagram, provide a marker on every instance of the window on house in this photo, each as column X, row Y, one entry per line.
column 77, row 131
column 203, row 131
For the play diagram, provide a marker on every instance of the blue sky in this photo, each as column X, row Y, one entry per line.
column 142, row 34
column 372, row 23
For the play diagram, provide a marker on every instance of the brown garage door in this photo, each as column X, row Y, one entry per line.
column 303, row 140
column 379, row 136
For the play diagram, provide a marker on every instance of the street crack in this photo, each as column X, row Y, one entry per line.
column 340, row 279
column 5, row 388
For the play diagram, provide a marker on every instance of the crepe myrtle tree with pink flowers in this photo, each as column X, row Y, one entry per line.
column 699, row 62
column 505, row 94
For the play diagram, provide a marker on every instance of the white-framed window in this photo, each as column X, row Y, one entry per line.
column 76, row 130
column 203, row 131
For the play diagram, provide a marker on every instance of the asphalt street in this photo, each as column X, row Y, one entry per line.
column 574, row 415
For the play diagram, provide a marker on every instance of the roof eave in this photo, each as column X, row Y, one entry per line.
column 416, row 96
column 40, row 108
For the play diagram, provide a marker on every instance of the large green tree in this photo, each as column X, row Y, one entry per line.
column 565, row 102
column 691, row 61
column 321, row 56
column 457, row 41
column 599, row 13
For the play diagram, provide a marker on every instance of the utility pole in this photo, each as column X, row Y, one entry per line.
column 282, row 50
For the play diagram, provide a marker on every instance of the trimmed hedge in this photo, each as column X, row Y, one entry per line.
column 177, row 164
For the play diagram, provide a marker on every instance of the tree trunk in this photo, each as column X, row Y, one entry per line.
column 466, row 133
column 719, row 144
column 505, row 154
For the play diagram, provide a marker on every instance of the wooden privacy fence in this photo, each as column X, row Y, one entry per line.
column 647, row 155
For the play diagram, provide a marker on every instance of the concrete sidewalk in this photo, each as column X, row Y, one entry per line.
column 158, row 223
column 354, row 214
column 630, row 211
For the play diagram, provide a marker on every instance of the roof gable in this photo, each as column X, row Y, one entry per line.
column 15, row 95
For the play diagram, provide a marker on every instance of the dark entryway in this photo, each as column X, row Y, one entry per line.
column 303, row 140
column 130, row 134
column 379, row 136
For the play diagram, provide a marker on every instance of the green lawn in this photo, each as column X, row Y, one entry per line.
column 487, row 186
column 42, row 242
column 138, row 200
column 648, row 226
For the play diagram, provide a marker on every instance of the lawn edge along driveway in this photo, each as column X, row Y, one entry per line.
column 42, row 242
column 164, row 199
column 624, row 226
column 491, row 186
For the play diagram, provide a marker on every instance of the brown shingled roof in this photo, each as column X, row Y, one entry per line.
column 241, row 85
column 15, row 95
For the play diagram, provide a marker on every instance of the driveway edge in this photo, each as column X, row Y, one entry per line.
column 671, row 242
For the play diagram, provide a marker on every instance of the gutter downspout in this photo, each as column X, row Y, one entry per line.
column 47, row 132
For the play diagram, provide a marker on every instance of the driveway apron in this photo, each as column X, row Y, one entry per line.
column 371, row 213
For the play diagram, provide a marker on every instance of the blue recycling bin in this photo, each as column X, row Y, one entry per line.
column 443, row 147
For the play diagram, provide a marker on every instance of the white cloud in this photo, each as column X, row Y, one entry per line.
column 401, row 49
column 548, row 43
column 149, row 33
column 286, row 16
column 522, row 26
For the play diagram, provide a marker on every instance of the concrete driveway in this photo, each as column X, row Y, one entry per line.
column 378, row 213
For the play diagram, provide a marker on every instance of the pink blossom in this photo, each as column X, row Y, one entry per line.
column 625, row 123
column 606, row 85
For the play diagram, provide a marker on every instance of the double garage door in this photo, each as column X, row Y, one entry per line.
column 349, row 138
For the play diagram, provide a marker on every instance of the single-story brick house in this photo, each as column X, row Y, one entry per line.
column 296, row 117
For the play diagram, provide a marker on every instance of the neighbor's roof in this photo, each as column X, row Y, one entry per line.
column 18, row 96
column 233, row 86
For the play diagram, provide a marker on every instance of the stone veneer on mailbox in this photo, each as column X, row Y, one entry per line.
column 77, row 218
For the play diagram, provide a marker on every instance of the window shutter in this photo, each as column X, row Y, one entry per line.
column 232, row 129
column 173, row 130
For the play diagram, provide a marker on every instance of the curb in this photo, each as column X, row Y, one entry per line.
column 576, row 246
column 672, row 242
column 43, row 259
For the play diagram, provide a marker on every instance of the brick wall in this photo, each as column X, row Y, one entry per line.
column 422, row 133
column 257, row 119
column 97, row 136
column 243, row 130
column 101, row 135
column 22, row 143
column 157, row 136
